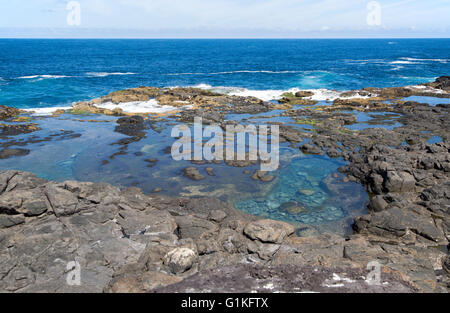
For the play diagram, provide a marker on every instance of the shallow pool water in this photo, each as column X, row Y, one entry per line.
column 386, row 120
column 309, row 191
column 306, row 189
column 433, row 101
column 434, row 139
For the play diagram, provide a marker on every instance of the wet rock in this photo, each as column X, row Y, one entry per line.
column 210, row 171
column 442, row 82
column 292, row 207
column 17, row 129
column 269, row 231
column 262, row 176
column 8, row 153
column 310, row 149
column 333, row 153
column 132, row 126
column 304, row 93
column 7, row 112
column 193, row 173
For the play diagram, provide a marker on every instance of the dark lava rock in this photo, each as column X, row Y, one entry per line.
column 442, row 82
column 193, row 173
column 310, row 149
column 7, row 112
column 132, row 126
column 334, row 153
column 262, row 176
column 8, row 153
column 17, row 129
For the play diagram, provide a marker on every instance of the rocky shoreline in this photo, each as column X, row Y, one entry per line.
column 126, row 241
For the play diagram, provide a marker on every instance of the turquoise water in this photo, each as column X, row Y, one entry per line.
column 309, row 191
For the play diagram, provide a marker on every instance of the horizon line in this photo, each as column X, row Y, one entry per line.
column 219, row 38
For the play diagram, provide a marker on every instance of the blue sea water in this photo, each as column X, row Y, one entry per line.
column 46, row 73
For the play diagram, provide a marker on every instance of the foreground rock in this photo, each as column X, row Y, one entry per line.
column 288, row 278
column 126, row 241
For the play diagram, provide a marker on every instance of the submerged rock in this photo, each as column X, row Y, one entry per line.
column 193, row 173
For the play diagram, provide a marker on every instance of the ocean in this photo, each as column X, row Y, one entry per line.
column 55, row 73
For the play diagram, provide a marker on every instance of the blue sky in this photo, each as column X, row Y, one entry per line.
column 226, row 18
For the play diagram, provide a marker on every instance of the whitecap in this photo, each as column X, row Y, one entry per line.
column 151, row 106
column 403, row 62
column 43, row 76
column 45, row 111
column 105, row 74
column 425, row 60
column 236, row 72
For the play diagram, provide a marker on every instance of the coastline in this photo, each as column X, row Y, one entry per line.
column 146, row 242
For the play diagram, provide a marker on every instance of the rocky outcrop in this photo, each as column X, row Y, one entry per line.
column 126, row 241
column 8, row 112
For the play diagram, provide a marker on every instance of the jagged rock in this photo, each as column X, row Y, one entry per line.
column 399, row 182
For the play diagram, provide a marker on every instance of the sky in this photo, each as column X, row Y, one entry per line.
column 224, row 18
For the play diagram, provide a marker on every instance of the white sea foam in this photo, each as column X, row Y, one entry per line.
column 45, row 111
column 151, row 106
column 43, row 76
column 105, row 74
column 402, row 62
column 268, row 95
column 426, row 60
column 235, row 72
